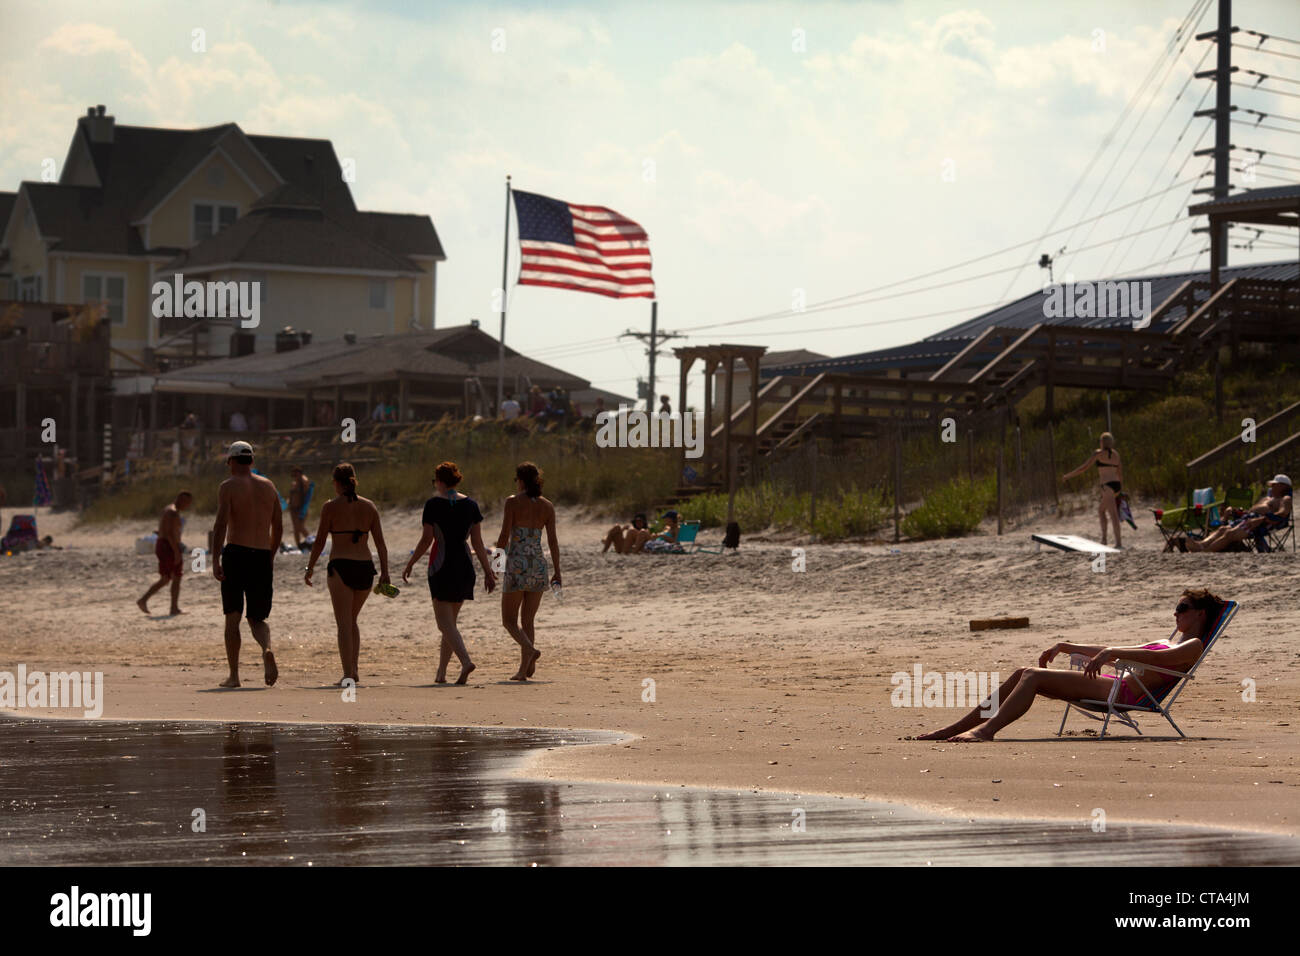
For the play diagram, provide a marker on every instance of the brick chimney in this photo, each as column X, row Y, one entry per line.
column 99, row 128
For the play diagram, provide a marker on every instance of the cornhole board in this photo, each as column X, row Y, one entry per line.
column 1072, row 542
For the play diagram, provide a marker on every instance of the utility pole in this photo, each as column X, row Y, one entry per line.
column 653, row 339
column 1222, row 113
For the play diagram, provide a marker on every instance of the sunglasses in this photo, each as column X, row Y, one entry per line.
column 1182, row 608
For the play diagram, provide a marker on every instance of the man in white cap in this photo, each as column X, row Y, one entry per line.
column 248, row 507
column 1270, row 512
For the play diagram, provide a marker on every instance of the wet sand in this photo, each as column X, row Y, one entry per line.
column 763, row 678
column 173, row 794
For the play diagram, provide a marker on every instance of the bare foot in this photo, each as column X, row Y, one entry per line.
column 933, row 735
column 465, row 672
column 440, row 677
column 519, row 675
column 174, row 611
column 142, row 605
column 532, row 665
column 972, row 737
column 231, row 681
column 270, row 671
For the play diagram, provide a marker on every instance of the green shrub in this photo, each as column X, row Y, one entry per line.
column 952, row 509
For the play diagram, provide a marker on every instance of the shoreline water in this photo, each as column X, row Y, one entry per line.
column 462, row 795
column 531, row 768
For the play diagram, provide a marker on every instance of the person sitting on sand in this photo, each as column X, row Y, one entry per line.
column 623, row 538
column 1194, row 616
column 665, row 540
column 1110, row 474
column 171, row 561
column 1273, row 510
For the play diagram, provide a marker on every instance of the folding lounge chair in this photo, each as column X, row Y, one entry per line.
column 1273, row 537
column 1197, row 518
column 1160, row 703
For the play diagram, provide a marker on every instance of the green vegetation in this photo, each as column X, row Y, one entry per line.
column 851, row 513
column 953, row 509
column 947, row 488
column 397, row 471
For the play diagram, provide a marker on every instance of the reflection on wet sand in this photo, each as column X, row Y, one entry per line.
column 169, row 793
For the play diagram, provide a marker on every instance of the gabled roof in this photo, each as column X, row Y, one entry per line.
column 142, row 165
column 7, row 201
column 279, row 235
column 82, row 219
column 310, row 164
column 407, row 233
column 452, row 353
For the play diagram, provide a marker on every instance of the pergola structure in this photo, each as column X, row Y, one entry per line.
column 715, row 358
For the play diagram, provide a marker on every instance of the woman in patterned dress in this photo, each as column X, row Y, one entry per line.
column 526, row 514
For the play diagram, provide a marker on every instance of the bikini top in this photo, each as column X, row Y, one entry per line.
column 356, row 535
column 1104, row 464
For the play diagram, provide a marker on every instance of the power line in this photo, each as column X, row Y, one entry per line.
column 1259, row 125
column 1260, row 49
column 1192, row 15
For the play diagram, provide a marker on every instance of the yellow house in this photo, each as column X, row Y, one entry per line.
column 136, row 206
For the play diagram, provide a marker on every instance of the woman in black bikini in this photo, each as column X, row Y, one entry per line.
column 450, row 518
column 1111, row 476
column 346, row 520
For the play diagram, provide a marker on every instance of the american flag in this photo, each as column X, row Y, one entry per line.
column 584, row 248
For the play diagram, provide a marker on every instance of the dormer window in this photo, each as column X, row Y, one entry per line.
column 211, row 217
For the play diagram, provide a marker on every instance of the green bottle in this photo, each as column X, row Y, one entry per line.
column 387, row 590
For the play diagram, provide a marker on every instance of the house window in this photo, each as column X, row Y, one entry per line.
column 378, row 294
column 29, row 289
column 211, row 217
column 107, row 289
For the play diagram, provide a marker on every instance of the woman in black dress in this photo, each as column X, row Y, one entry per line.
column 449, row 518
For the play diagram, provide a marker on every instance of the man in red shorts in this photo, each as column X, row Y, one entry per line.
column 171, row 562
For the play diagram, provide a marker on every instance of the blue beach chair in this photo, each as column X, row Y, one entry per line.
column 1160, row 703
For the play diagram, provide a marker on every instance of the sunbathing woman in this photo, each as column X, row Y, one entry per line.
column 624, row 538
column 1195, row 615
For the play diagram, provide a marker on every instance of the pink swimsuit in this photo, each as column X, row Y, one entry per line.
column 1128, row 695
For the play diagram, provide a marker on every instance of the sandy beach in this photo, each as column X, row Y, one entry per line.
column 763, row 678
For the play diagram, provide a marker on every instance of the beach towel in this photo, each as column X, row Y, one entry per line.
column 21, row 534
column 1124, row 511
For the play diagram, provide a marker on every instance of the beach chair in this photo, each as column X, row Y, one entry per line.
column 699, row 548
column 1160, row 703
column 1270, row 537
column 1196, row 518
column 686, row 535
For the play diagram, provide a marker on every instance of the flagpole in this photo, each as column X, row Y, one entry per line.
column 505, row 260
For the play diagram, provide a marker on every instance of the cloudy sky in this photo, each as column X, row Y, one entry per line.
column 778, row 155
